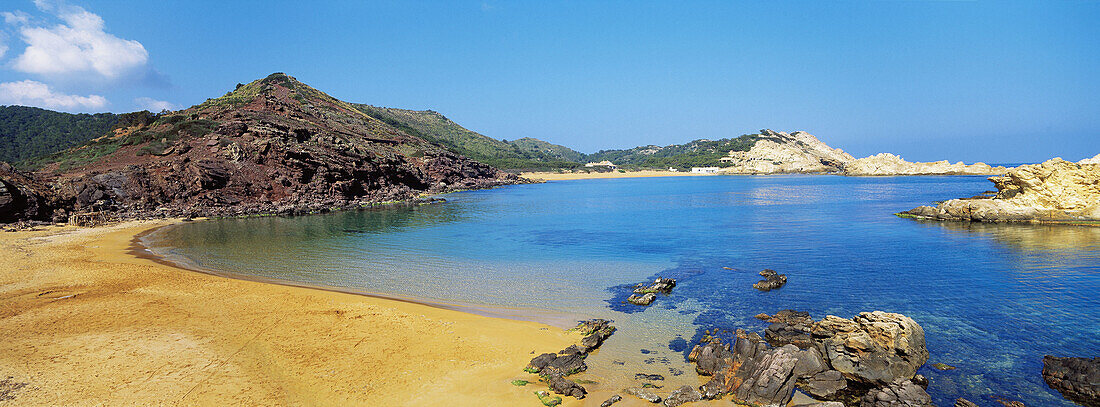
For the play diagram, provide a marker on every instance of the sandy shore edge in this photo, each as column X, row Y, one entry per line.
column 89, row 322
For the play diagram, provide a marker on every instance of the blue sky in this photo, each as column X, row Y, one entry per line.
column 995, row 81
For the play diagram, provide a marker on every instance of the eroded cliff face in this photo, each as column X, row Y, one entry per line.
column 890, row 164
column 779, row 152
column 1054, row 191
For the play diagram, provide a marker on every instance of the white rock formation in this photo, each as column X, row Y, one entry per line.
column 779, row 152
column 890, row 164
column 1054, row 191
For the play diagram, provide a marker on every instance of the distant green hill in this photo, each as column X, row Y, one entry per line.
column 557, row 152
column 435, row 127
column 697, row 153
column 30, row 132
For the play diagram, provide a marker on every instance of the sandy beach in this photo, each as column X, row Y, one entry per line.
column 555, row 176
column 86, row 322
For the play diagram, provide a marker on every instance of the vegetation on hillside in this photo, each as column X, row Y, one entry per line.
column 697, row 153
column 436, row 128
column 29, row 132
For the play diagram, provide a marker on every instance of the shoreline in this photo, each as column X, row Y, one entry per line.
column 141, row 249
column 92, row 322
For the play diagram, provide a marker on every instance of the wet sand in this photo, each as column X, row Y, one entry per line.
column 87, row 322
column 555, row 176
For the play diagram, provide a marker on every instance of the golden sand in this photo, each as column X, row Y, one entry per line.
column 555, row 176
column 85, row 322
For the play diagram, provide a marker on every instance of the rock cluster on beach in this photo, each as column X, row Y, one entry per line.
column 554, row 367
column 1078, row 379
column 869, row 360
column 1054, row 191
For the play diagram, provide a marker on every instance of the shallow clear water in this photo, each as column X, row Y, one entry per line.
column 993, row 299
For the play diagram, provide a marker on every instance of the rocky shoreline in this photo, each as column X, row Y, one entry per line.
column 1056, row 191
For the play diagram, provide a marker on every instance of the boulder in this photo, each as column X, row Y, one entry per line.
column 643, row 394
column 902, row 393
column 660, row 285
column 824, row 385
column 565, row 365
column 614, row 399
column 789, row 327
column 641, row 299
column 685, row 394
column 566, row 387
column 1078, row 379
column 771, row 281
column 876, row 348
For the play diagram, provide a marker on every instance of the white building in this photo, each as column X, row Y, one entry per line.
column 605, row 163
column 704, row 170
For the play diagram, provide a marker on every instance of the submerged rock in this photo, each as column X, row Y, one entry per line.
column 1078, row 379
column 874, row 347
column 771, row 281
column 961, row 402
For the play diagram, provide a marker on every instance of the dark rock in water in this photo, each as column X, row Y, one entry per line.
column 921, row 381
column 642, row 299
column 685, row 394
column 876, row 348
column 824, row 385
column 771, row 281
column 660, row 285
column 565, row 387
column 643, row 394
column 942, row 366
column 614, row 399
column 595, row 332
column 790, row 327
column 900, row 393
column 652, row 377
column 961, row 402
column 1078, row 379
column 678, row 345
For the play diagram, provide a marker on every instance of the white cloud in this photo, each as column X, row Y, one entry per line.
column 32, row 93
column 154, row 105
column 15, row 17
column 77, row 46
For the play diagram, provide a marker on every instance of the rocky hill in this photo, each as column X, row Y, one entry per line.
column 274, row 145
column 1054, row 191
column 778, row 152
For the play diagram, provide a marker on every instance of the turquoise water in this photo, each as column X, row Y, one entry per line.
column 993, row 299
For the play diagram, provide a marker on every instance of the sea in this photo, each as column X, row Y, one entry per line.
column 993, row 299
